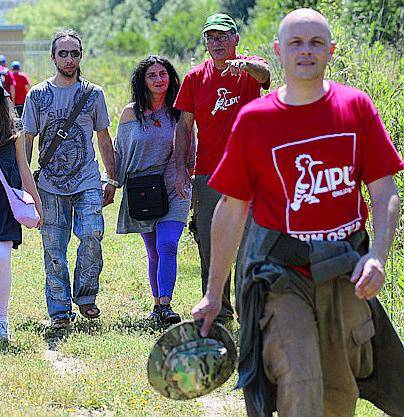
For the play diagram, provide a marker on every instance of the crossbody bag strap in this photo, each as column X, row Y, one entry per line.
column 154, row 166
column 4, row 181
column 62, row 133
column 168, row 160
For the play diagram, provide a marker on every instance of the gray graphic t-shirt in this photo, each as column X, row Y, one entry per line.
column 73, row 167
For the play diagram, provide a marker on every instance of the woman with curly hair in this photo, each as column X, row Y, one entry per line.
column 143, row 146
column 13, row 164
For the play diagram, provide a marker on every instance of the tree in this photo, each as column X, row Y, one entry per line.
column 32, row 17
column 237, row 9
column 178, row 26
column 155, row 7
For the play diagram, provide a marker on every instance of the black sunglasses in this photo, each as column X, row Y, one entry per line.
column 75, row 53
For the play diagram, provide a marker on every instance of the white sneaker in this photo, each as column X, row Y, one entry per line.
column 4, row 334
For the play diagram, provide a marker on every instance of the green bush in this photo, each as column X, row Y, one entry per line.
column 129, row 42
column 178, row 27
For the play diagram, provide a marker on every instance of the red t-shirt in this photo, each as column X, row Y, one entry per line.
column 8, row 81
column 21, row 80
column 302, row 166
column 215, row 102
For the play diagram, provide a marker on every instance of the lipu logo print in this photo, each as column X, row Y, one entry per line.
column 222, row 103
column 310, row 185
column 318, row 179
column 304, row 188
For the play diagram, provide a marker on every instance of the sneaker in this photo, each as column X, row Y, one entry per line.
column 4, row 334
column 154, row 315
column 167, row 315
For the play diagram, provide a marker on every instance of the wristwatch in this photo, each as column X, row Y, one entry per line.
column 112, row 182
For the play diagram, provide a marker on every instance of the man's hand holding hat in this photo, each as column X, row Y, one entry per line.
column 207, row 310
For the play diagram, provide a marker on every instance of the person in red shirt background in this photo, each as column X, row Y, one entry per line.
column 21, row 86
column 212, row 94
column 6, row 77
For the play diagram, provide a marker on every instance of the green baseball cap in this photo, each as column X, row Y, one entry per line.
column 219, row 21
column 183, row 365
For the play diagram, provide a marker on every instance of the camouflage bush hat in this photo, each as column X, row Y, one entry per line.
column 183, row 365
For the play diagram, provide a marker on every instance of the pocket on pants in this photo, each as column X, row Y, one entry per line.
column 361, row 352
column 50, row 206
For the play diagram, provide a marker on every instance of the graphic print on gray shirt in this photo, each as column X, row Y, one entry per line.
column 73, row 167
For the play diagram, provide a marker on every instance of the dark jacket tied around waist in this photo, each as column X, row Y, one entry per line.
column 266, row 259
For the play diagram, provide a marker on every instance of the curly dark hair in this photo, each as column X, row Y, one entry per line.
column 8, row 131
column 140, row 93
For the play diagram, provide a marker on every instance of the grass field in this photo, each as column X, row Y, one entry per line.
column 99, row 368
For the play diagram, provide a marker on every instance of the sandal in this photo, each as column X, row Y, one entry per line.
column 90, row 311
column 60, row 323
column 63, row 322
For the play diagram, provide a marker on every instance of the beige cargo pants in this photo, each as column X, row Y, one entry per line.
column 314, row 351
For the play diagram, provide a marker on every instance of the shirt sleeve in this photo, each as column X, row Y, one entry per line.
column 30, row 116
column 235, row 175
column 100, row 115
column 185, row 100
column 379, row 156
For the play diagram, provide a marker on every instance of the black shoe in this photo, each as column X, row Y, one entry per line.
column 167, row 315
column 154, row 315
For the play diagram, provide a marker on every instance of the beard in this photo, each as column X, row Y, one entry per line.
column 68, row 74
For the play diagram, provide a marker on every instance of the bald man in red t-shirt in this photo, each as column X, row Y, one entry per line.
column 301, row 155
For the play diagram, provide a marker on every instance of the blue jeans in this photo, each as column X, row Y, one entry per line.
column 59, row 211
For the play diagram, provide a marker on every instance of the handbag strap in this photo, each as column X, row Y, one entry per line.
column 4, row 181
column 62, row 133
column 168, row 160
column 154, row 166
column 6, row 186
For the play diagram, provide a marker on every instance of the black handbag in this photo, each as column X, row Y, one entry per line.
column 147, row 195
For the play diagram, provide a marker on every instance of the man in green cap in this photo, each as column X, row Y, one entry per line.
column 212, row 95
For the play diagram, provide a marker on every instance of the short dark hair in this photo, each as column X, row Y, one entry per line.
column 140, row 93
column 67, row 33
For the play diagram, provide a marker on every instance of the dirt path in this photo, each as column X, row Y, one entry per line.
column 222, row 405
column 63, row 364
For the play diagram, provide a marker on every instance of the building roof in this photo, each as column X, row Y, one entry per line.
column 12, row 27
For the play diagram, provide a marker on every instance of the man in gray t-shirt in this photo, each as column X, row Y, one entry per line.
column 70, row 185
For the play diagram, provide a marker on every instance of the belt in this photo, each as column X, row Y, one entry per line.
column 294, row 252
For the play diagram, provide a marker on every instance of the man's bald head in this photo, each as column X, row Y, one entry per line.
column 303, row 16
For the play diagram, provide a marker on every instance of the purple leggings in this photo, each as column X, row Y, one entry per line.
column 161, row 246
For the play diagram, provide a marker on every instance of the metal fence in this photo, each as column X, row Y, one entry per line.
column 33, row 54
